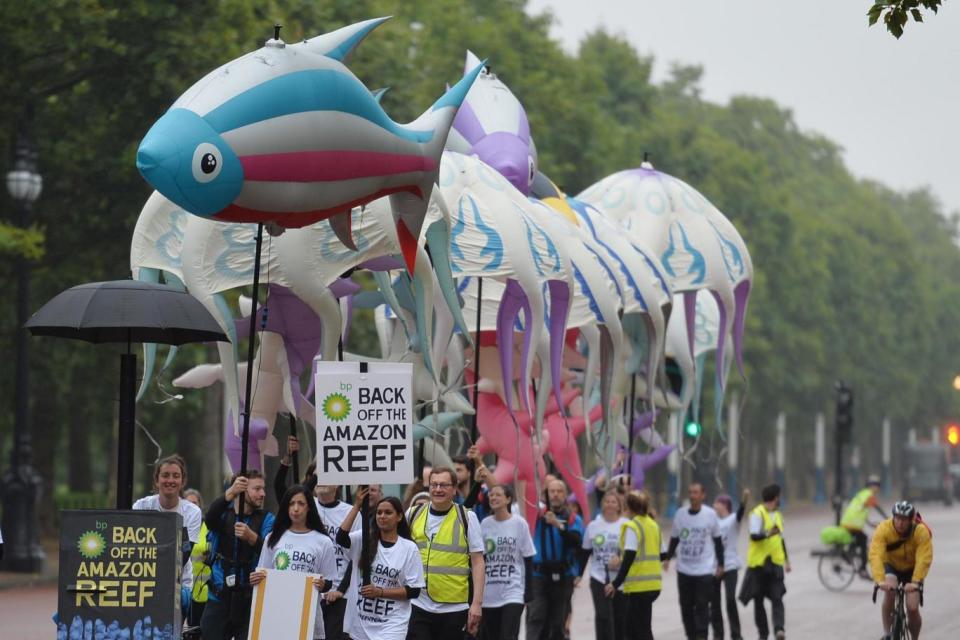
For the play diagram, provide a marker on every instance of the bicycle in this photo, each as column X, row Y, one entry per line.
column 898, row 623
column 839, row 564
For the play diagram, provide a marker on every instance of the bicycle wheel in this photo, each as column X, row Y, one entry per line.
column 836, row 571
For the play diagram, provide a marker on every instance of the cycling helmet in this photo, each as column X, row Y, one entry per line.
column 905, row 509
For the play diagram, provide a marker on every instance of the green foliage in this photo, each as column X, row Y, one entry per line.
column 853, row 280
column 895, row 13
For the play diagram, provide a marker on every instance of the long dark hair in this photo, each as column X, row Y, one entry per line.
column 370, row 551
column 283, row 523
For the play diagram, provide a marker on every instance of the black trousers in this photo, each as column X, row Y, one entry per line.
column 217, row 622
column 547, row 612
column 695, row 594
column 770, row 585
column 639, row 615
column 860, row 542
column 608, row 613
column 436, row 626
column 501, row 623
column 333, row 613
column 728, row 584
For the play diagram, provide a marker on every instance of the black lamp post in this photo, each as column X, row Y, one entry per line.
column 21, row 484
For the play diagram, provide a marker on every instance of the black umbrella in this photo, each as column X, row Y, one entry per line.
column 126, row 311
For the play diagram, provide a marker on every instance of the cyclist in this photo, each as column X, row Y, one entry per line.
column 855, row 517
column 901, row 554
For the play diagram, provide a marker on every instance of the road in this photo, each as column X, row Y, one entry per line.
column 812, row 611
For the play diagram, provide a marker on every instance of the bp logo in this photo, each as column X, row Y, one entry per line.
column 599, row 539
column 490, row 545
column 282, row 561
column 336, row 407
column 684, row 533
column 91, row 545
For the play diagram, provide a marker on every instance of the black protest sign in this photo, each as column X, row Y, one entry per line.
column 364, row 422
column 120, row 574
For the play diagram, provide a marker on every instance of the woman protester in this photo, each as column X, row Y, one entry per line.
column 640, row 567
column 199, row 561
column 379, row 607
column 169, row 479
column 509, row 556
column 601, row 547
column 298, row 543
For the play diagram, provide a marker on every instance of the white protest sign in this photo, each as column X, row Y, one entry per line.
column 284, row 606
column 364, row 422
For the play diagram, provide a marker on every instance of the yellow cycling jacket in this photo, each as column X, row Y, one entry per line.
column 912, row 553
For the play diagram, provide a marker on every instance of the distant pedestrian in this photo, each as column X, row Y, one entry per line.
column 200, row 563
column 695, row 541
column 767, row 560
column 730, row 532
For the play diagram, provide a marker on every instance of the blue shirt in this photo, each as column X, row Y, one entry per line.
column 552, row 548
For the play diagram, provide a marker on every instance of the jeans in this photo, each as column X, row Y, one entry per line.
column 217, row 624
column 695, row 593
column 436, row 626
column 548, row 611
column 729, row 584
column 607, row 612
column 639, row 615
column 501, row 623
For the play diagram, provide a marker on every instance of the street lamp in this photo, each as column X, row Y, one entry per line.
column 21, row 483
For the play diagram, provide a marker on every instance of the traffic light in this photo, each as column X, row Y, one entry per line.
column 844, row 419
column 692, row 428
column 953, row 435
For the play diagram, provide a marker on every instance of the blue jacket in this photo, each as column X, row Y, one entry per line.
column 558, row 548
column 220, row 519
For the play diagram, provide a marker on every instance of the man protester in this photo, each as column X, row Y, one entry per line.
column 557, row 537
column 235, row 544
column 451, row 547
column 766, row 562
column 696, row 542
column 334, row 604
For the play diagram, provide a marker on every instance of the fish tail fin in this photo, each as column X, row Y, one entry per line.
column 410, row 209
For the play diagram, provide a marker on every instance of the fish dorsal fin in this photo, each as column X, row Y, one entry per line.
column 340, row 44
column 471, row 62
column 378, row 94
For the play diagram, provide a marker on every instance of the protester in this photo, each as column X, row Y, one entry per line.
column 766, row 562
column 463, row 468
column 299, row 543
column 380, row 607
column 451, row 547
column 558, row 538
column 601, row 544
column 639, row 568
column 699, row 563
column 236, row 541
column 199, row 564
column 169, row 479
column 729, row 532
column 509, row 567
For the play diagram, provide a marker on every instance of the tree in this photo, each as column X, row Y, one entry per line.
column 895, row 13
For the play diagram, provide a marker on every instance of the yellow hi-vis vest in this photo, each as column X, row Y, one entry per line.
column 446, row 557
column 772, row 546
column 855, row 515
column 644, row 573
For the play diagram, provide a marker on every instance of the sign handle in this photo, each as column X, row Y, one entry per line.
column 365, row 536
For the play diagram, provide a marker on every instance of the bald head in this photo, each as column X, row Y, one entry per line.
column 556, row 494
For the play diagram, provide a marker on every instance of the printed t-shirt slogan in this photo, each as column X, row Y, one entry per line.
column 364, row 422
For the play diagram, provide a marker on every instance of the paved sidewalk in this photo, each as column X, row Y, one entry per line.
column 11, row 580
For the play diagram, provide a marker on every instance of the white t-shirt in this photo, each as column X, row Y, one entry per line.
column 398, row 565
column 506, row 544
column 308, row 552
column 332, row 517
column 603, row 538
column 695, row 554
column 730, row 531
column 474, row 545
column 192, row 521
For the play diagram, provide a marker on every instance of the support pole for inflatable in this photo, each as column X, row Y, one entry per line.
column 365, row 537
column 474, row 429
column 251, row 339
column 673, row 464
column 779, row 474
column 127, row 422
column 820, row 459
column 630, row 429
column 295, row 458
column 885, row 459
column 733, row 443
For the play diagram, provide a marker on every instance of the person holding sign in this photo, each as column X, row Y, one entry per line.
column 451, row 547
column 379, row 608
column 169, row 479
column 299, row 543
column 509, row 567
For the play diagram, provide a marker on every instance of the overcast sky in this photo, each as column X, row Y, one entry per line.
column 891, row 104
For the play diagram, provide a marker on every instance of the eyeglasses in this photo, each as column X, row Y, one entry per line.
column 440, row 485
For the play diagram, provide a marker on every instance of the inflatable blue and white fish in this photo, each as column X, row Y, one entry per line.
column 287, row 134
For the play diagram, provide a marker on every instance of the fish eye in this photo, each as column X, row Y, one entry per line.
column 532, row 167
column 207, row 161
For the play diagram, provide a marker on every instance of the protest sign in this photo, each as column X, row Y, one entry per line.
column 364, row 422
column 120, row 570
column 284, row 606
